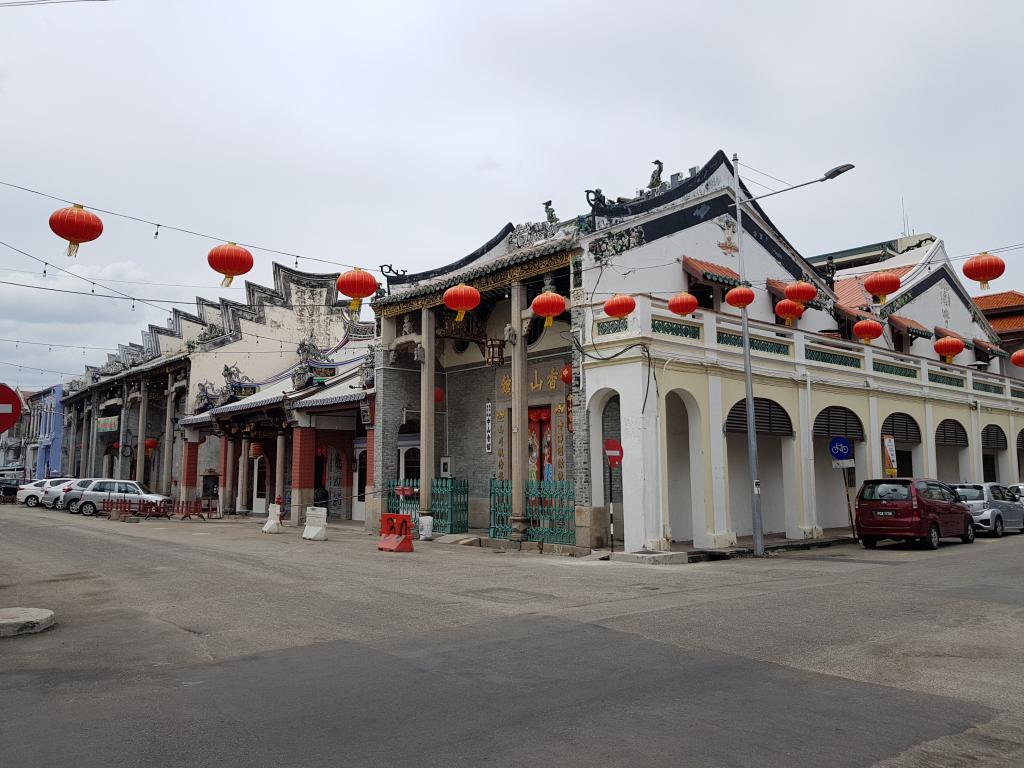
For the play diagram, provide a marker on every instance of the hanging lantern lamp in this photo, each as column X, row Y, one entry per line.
column 619, row 306
column 151, row 443
column 881, row 284
column 1017, row 358
column 357, row 284
column 566, row 374
column 739, row 297
column 438, row 395
column 76, row 225
column 230, row 260
column 984, row 267
column 461, row 299
column 683, row 304
column 548, row 305
column 867, row 330
column 949, row 347
column 801, row 292
column 788, row 311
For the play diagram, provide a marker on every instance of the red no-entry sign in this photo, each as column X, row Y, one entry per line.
column 613, row 450
column 10, row 408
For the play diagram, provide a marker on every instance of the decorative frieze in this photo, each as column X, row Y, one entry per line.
column 617, row 242
column 671, row 328
column 760, row 345
column 941, row 378
column 893, row 370
column 983, row 386
column 607, row 327
column 831, row 358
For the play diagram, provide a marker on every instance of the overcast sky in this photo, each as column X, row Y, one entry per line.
column 409, row 132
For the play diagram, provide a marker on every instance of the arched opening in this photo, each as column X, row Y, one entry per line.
column 952, row 457
column 776, row 464
column 993, row 454
column 611, row 428
column 832, row 486
column 906, row 436
column 684, row 465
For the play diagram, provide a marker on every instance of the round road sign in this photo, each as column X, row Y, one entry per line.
column 10, row 408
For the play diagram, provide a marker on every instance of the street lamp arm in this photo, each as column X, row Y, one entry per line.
column 828, row 176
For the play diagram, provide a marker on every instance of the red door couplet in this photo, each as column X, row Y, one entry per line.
column 10, row 408
column 613, row 450
column 395, row 533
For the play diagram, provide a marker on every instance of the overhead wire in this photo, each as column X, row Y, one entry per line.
column 160, row 226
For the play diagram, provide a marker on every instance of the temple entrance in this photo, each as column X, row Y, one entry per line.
column 538, row 445
column 259, row 485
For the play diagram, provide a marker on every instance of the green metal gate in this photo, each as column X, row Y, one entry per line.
column 550, row 510
column 403, row 505
column 501, row 509
column 449, row 501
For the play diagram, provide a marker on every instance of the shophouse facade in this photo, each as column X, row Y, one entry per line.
column 13, row 441
column 43, row 442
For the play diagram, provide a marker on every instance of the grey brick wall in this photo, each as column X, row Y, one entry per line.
column 468, row 393
column 398, row 387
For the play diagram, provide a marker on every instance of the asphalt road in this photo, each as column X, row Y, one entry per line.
column 192, row 644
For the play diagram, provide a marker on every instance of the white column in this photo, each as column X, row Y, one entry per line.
column 804, row 523
column 517, row 459
column 641, row 477
column 931, row 461
column 70, row 469
column 168, row 444
column 1011, row 448
column 279, row 466
column 874, row 439
column 974, row 443
column 227, row 501
column 243, row 477
column 140, row 448
column 123, row 431
column 427, row 406
column 720, row 535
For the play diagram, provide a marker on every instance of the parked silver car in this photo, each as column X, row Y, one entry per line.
column 994, row 507
column 98, row 491
column 31, row 494
column 71, row 493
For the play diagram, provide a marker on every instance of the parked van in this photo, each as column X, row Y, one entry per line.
column 911, row 509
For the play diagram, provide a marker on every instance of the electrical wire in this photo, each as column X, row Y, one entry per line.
column 20, row 366
column 183, row 230
column 24, row 3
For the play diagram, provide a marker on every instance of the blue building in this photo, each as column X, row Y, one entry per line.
column 46, row 432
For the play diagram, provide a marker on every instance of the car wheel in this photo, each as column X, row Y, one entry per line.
column 87, row 508
column 72, row 506
column 968, row 538
column 997, row 527
column 932, row 542
column 58, row 504
column 869, row 542
column 31, row 501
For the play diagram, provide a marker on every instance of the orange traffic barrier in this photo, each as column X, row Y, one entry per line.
column 395, row 533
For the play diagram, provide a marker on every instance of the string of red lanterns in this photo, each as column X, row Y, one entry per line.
column 76, row 225
column 949, row 347
column 789, row 311
column 230, row 260
column 683, row 304
column 548, row 305
column 867, row 330
column 620, row 306
column 461, row 299
column 357, row 284
column 881, row 284
column 984, row 267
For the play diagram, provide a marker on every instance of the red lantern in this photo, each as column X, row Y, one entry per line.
column 949, row 347
column 548, row 305
column 1017, row 358
column 620, row 306
column 984, row 267
column 881, row 284
column 357, row 285
column 438, row 395
column 682, row 304
column 739, row 297
column 566, row 373
column 76, row 225
column 802, row 293
column 461, row 299
column 117, row 445
column 788, row 311
column 151, row 443
column 230, row 260
column 867, row 330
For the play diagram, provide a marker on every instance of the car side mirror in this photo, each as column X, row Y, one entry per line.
column 961, row 497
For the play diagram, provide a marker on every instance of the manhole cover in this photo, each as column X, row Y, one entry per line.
column 506, row 595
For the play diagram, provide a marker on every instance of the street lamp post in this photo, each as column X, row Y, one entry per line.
column 748, row 377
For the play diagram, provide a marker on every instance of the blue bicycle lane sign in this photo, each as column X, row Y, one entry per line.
column 841, row 450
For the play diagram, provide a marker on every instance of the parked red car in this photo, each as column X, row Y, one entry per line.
column 911, row 509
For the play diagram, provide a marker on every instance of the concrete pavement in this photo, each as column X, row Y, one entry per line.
column 184, row 643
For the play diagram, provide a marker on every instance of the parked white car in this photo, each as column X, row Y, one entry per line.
column 31, row 494
column 994, row 507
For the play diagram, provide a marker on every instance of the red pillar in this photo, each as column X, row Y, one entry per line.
column 303, row 469
column 190, row 471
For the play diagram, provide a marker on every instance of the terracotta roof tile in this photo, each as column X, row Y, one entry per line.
column 850, row 290
column 1007, row 323
column 910, row 327
column 853, row 312
column 706, row 270
column 1004, row 300
column 941, row 332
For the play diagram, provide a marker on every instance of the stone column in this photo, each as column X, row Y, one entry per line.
column 427, row 407
column 86, row 469
column 303, row 471
column 72, row 470
column 242, row 504
column 122, row 431
column 168, row 446
column 279, row 466
column 227, row 501
column 519, row 407
column 93, row 438
column 140, row 448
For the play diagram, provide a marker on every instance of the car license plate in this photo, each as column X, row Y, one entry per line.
column 885, row 513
